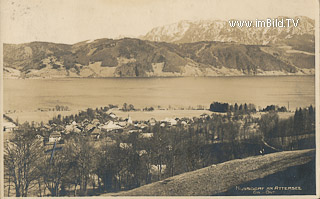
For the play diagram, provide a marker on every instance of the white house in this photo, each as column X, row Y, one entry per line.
column 55, row 137
column 110, row 126
column 8, row 126
column 142, row 152
column 124, row 145
column 146, row 135
column 152, row 121
column 170, row 121
column 112, row 115
column 184, row 123
column 157, row 169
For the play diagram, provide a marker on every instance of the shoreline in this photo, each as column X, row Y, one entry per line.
column 161, row 77
column 157, row 114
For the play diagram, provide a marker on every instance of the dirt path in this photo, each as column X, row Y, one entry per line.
column 221, row 177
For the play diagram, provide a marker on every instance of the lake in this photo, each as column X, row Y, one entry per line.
column 81, row 93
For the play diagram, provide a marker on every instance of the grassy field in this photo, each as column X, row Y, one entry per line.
column 38, row 116
column 219, row 178
column 160, row 114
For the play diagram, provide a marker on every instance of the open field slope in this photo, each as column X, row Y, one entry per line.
column 219, row 178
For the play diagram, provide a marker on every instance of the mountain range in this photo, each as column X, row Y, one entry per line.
column 218, row 30
column 187, row 48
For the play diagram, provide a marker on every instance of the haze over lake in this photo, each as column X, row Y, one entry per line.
column 31, row 94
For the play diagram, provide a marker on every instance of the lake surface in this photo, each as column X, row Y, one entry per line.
column 76, row 93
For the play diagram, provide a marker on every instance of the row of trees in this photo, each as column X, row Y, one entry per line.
column 243, row 108
column 62, row 108
column 225, row 107
column 127, row 107
column 148, row 109
column 89, row 114
column 275, row 109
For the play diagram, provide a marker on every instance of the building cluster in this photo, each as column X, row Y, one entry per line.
column 97, row 130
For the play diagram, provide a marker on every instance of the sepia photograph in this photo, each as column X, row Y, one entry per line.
column 105, row 98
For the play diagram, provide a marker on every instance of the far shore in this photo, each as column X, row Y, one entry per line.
column 39, row 116
column 147, row 77
column 158, row 114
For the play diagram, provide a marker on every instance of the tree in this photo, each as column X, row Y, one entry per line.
column 268, row 124
column 282, row 109
column 236, row 107
column 131, row 107
column 245, row 107
column 72, row 165
column 54, row 171
column 240, row 107
column 78, row 156
column 299, row 122
column 22, row 157
column 219, row 107
column 125, row 107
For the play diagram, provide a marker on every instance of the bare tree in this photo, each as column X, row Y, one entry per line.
column 22, row 156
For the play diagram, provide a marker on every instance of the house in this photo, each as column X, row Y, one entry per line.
column 46, row 126
column 142, row 152
column 40, row 137
column 8, row 126
column 146, row 135
column 170, row 121
column 110, row 126
column 129, row 120
column 184, row 123
column 124, row 145
column 85, row 122
column 112, row 115
column 152, row 121
column 72, row 128
column 142, row 126
column 134, row 131
column 69, row 128
column 95, row 121
column 55, row 137
column 44, row 109
column 95, row 133
column 77, row 129
column 121, row 123
column 204, row 116
column 89, row 127
column 157, row 169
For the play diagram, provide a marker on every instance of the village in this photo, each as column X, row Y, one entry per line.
column 122, row 153
column 96, row 129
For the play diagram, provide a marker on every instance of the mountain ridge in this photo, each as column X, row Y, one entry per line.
column 138, row 58
column 292, row 53
column 188, row 31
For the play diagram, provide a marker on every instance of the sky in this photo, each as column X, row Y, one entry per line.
column 72, row 21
